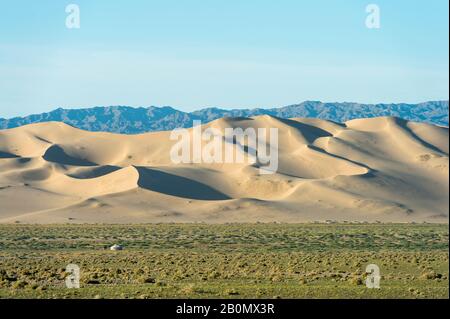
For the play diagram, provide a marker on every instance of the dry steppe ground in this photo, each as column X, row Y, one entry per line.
column 225, row 261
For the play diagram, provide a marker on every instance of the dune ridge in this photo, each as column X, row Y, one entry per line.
column 379, row 169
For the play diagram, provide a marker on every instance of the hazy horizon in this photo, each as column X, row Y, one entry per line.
column 182, row 109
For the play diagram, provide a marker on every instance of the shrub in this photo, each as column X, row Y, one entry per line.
column 192, row 289
column 356, row 281
column 232, row 292
column 149, row 280
column 20, row 284
column 431, row 275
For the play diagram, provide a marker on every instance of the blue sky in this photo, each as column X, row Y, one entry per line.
column 236, row 53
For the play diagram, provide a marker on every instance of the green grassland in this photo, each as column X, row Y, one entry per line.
column 225, row 261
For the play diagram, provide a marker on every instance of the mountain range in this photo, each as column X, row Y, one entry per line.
column 131, row 120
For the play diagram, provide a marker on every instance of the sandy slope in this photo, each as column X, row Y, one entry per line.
column 384, row 169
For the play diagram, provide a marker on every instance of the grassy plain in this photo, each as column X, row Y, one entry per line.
column 225, row 261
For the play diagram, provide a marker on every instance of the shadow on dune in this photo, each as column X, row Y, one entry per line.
column 310, row 132
column 359, row 164
column 175, row 185
column 403, row 124
column 7, row 155
column 94, row 172
column 56, row 154
column 237, row 118
column 39, row 174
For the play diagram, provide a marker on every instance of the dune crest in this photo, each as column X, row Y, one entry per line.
column 381, row 169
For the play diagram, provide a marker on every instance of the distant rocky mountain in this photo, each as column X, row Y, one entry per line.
column 129, row 120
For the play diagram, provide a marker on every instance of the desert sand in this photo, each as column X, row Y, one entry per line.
column 381, row 169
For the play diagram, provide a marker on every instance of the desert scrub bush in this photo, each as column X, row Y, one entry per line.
column 3, row 275
column 4, row 283
column 276, row 279
column 148, row 280
column 431, row 275
column 303, row 281
column 232, row 292
column 19, row 284
column 214, row 275
column 192, row 289
column 356, row 281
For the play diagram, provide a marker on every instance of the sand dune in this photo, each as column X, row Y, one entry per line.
column 382, row 169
